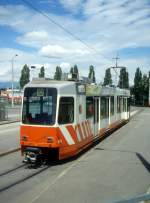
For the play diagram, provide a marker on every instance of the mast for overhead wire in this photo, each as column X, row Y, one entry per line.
column 116, row 67
column 116, row 59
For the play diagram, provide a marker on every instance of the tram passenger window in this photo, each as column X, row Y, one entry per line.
column 66, row 110
column 124, row 105
column 112, row 106
column 89, row 107
column 128, row 104
column 104, row 107
column 118, row 105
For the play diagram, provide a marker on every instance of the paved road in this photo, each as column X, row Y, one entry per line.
column 14, row 113
column 116, row 168
column 9, row 137
column 9, row 132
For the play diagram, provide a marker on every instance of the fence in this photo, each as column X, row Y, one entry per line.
column 3, row 108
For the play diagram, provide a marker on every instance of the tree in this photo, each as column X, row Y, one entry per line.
column 123, row 79
column 140, row 89
column 145, row 89
column 126, row 80
column 107, row 78
column 71, row 70
column 74, row 71
column 91, row 75
column 137, row 89
column 25, row 76
column 58, row 73
column 42, row 72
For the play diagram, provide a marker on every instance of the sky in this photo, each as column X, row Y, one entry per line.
column 68, row 32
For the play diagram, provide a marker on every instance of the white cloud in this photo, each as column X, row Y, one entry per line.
column 65, row 66
column 34, row 38
column 72, row 5
column 108, row 27
column 23, row 58
column 53, row 51
column 15, row 16
column 58, row 51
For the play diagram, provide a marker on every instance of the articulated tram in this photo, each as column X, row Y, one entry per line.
column 61, row 118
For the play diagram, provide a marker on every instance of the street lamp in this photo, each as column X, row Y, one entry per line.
column 12, row 81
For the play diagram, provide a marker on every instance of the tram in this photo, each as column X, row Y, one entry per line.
column 61, row 118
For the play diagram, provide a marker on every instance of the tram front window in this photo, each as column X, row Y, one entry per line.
column 39, row 106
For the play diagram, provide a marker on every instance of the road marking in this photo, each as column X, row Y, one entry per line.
column 63, row 173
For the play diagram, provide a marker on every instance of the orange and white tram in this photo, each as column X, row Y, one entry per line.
column 62, row 118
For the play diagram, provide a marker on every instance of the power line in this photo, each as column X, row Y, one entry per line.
column 63, row 28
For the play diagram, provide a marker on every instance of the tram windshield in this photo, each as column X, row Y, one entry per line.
column 39, row 106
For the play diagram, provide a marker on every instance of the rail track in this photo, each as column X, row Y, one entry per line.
column 11, row 170
column 17, row 175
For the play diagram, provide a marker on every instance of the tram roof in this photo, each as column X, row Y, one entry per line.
column 70, row 86
column 40, row 82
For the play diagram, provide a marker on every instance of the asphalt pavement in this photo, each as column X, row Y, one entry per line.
column 116, row 168
column 9, row 137
column 9, row 131
column 13, row 115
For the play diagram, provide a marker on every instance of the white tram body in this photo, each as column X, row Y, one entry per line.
column 68, row 116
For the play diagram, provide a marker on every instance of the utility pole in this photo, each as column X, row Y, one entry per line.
column 116, row 59
column 12, row 85
column 116, row 67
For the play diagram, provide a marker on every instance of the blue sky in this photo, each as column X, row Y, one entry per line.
column 108, row 27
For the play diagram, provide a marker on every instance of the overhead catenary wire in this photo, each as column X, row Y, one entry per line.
column 63, row 28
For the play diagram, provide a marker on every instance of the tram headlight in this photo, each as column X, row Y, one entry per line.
column 50, row 139
column 24, row 138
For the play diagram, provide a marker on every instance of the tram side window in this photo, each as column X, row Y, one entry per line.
column 89, row 107
column 128, row 104
column 66, row 110
column 112, row 105
column 118, row 104
column 104, row 107
column 124, row 105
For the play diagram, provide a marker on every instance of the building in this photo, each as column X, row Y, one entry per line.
column 8, row 94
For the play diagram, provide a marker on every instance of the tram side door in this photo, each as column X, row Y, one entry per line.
column 96, row 116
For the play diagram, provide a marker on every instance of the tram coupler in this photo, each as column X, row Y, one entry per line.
column 33, row 156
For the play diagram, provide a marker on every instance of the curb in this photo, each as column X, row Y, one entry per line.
column 7, row 122
column 9, row 152
column 136, row 112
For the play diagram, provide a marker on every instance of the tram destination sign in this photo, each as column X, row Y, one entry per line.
column 81, row 89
